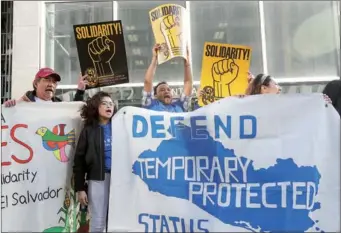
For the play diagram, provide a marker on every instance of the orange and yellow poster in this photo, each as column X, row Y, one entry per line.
column 224, row 71
column 169, row 23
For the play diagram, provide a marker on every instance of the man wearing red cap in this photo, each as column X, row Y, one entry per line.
column 44, row 88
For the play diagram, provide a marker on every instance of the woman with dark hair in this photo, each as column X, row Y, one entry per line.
column 263, row 84
column 266, row 84
column 93, row 158
column 333, row 90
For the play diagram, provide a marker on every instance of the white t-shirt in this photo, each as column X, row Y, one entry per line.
column 40, row 100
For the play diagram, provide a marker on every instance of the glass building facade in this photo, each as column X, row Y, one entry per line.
column 295, row 41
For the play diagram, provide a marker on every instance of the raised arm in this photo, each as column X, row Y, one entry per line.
column 82, row 82
column 188, row 79
column 148, row 79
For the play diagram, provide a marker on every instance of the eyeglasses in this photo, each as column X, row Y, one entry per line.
column 106, row 103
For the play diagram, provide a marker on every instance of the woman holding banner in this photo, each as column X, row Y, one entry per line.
column 266, row 84
column 93, row 158
column 333, row 89
column 263, row 84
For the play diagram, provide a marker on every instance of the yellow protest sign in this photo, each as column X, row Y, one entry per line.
column 224, row 71
column 169, row 24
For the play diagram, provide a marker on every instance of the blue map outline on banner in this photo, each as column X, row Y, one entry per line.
column 254, row 219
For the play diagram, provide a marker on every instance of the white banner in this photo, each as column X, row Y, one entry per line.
column 38, row 141
column 262, row 163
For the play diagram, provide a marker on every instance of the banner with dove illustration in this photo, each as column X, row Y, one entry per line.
column 232, row 166
column 170, row 28
column 101, row 53
column 38, row 143
column 224, row 71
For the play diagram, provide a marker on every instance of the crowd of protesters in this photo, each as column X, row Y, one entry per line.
column 92, row 167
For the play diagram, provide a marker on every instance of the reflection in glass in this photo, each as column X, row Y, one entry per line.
column 225, row 22
column 61, row 50
column 302, row 38
column 139, row 41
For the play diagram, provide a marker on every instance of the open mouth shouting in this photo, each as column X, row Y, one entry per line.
column 109, row 112
column 167, row 96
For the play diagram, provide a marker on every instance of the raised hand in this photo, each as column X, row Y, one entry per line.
column 10, row 103
column 82, row 82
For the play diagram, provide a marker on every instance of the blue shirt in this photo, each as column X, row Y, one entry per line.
column 196, row 106
column 107, row 146
column 178, row 105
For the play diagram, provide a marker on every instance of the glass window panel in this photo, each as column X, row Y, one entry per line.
column 139, row 41
column 302, row 38
column 225, row 22
column 61, row 50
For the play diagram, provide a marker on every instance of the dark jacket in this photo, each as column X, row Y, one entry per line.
column 89, row 156
column 333, row 90
column 29, row 96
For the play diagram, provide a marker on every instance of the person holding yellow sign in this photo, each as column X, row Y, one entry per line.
column 224, row 71
column 160, row 98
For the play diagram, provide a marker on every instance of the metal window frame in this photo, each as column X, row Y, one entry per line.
column 43, row 37
column 115, row 10
column 336, row 8
column 280, row 80
column 296, row 79
column 263, row 36
column 115, row 17
column 42, row 33
column 6, row 79
column 188, row 7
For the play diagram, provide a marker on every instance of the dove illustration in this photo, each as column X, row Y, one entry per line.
column 56, row 140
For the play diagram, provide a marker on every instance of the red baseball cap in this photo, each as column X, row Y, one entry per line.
column 45, row 72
